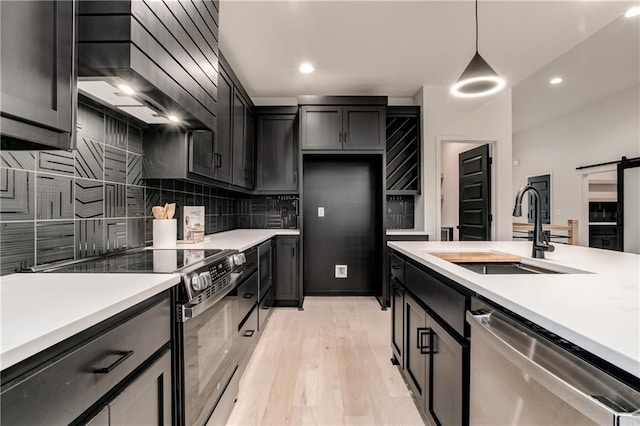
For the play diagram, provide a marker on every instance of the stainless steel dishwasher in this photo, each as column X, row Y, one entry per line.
column 519, row 377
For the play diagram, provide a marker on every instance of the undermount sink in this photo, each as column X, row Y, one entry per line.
column 504, row 268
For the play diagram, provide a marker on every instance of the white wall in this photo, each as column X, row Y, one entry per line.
column 450, row 183
column 599, row 132
column 446, row 118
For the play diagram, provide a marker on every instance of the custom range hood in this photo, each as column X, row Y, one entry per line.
column 156, row 61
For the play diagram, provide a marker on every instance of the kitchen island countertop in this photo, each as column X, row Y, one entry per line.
column 595, row 304
column 38, row 311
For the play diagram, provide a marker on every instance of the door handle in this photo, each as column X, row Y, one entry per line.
column 123, row 355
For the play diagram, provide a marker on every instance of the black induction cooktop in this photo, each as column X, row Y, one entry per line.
column 138, row 261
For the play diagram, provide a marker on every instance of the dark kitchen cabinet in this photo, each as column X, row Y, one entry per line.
column 436, row 344
column 434, row 364
column 223, row 162
column 396, row 277
column 446, row 358
column 415, row 362
column 243, row 131
column 321, row 127
column 403, row 150
column 37, row 68
column 201, row 154
column 604, row 237
column 287, row 270
column 146, row 401
column 123, row 363
column 277, row 152
column 342, row 127
column 249, row 149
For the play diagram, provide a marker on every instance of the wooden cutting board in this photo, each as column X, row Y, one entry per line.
column 474, row 256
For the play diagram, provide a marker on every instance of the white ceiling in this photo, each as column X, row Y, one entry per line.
column 394, row 47
column 605, row 63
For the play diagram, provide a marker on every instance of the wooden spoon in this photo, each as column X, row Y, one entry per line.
column 158, row 212
column 170, row 211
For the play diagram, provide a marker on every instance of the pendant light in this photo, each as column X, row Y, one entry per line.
column 478, row 78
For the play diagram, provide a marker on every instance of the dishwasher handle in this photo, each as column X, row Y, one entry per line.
column 481, row 327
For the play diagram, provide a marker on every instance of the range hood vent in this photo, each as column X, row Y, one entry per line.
column 167, row 52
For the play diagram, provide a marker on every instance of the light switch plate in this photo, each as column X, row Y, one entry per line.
column 341, row 271
column 320, row 211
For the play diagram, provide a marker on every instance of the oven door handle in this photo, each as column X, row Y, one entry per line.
column 190, row 310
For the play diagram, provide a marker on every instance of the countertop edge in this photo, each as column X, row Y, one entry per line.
column 20, row 353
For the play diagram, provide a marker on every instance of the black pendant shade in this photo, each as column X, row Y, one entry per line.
column 478, row 78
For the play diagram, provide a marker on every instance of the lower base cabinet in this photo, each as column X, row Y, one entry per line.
column 118, row 372
column 435, row 363
column 287, row 271
column 146, row 401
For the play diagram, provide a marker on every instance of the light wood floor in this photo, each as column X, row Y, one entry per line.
column 326, row 365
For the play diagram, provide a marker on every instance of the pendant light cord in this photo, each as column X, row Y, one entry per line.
column 476, row 25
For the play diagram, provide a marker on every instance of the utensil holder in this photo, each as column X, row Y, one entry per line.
column 165, row 232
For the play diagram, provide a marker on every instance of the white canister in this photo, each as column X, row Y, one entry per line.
column 165, row 232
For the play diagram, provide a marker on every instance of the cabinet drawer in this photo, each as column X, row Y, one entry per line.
column 63, row 390
column 444, row 301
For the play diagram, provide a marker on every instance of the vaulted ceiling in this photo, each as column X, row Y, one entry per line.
column 394, row 47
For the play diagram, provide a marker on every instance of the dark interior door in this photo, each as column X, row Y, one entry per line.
column 543, row 185
column 475, row 195
column 347, row 230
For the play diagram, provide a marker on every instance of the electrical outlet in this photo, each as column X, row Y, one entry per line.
column 341, row 271
column 320, row 211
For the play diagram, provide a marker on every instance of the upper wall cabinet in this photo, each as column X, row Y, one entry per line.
column 403, row 150
column 37, row 72
column 236, row 131
column 342, row 127
column 167, row 51
column 277, row 149
column 224, row 141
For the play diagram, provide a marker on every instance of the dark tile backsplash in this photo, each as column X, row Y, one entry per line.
column 65, row 205
column 400, row 212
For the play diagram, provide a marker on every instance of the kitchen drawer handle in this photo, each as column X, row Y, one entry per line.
column 248, row 295
column 395, row 266
column 248, row 333
column 123, row 355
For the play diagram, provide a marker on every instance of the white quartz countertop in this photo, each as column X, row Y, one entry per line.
column 598, row 310
column 41, row 310
column 406, row 232
column 238, row 239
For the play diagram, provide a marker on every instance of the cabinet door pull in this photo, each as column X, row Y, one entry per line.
column 295, row 178
column 425, row 348
column 346, row 140
column 340, row 137
column 123, row 355
column 248, row 333
column 293, row 252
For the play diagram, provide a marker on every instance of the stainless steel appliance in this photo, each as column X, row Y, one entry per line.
column 206, row 351
column 521, row 376
column 247, row 317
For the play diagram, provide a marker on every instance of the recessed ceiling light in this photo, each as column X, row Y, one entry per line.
column 126, row 89
column 556, row 80
column 306, row 68
column 173, row 118
column 634, row 11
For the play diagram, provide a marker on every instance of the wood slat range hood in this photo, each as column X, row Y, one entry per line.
column 166, row 52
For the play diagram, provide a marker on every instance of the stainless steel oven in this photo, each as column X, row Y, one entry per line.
column 205, row 335
column 207, row 349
